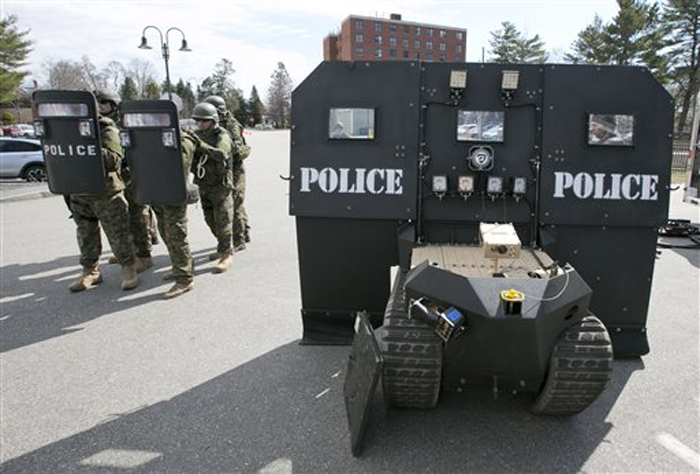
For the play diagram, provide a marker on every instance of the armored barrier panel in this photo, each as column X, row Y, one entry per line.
column 576, row 157
column 353, row 167
column 151, row 139
column 66, row 124
column 606, row 170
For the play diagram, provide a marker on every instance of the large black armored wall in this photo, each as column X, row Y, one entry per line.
column 595, row 206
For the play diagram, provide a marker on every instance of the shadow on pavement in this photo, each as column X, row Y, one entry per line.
column 284, row 412
column 36, row 304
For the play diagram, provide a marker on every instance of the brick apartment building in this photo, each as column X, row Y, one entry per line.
column 379, row 39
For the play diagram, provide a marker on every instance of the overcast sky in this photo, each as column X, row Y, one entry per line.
column 255, row 35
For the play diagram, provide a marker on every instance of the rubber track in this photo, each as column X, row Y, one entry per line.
column 412, row 355
column 579, row 370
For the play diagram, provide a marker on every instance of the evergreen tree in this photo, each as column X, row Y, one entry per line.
column 682, row 19
column 221, row 83
column 504, row 43
column 530, row 50
column 128, row 90
column 151, row 90
column 279, row 96
column 255, row 107
column 625, row 33
column 590, row 47
column 635, row 37
column 14, row 48
column 184, row 91
column 508, row 45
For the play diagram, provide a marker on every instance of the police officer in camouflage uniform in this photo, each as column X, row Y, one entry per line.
column 241, row 229
column 172, row 224
column 139, row 214
column 212, row 173
column 109, row 210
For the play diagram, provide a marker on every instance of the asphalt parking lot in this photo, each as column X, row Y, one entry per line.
column 216, row 381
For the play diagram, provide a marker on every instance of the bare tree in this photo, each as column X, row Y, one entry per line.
column 114, row 75
column 143, row 73
column 94, row 78
column 66, row 74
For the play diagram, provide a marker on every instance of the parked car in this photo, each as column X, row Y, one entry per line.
column 27, row 130
column 12, row 130
column 21, row 158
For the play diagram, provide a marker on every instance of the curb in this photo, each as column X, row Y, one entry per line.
column 27, row 196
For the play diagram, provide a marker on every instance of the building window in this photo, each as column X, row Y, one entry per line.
column 359, row 39
column 392, row 53
column 458, row 59
column 405, row 29
column 392, row 27
column 459, row 35
column 377, row 53
column 443, row 34
column 378, row 39
column 405, row 54
column 378, row 27
column 359, row 50
column 416, row 44
column 429, row 44
column 358, row 24
column 392, row 41
column 417, row 30
column 429, row 31
column 443, row 58
column 443, row 47
column 417, row 56
column 459, row 48
column 428, row 57
column 405, row 43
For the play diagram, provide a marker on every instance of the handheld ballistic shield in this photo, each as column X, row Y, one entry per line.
column 66, row 123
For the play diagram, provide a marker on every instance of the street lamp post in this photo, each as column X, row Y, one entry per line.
column 165, row 47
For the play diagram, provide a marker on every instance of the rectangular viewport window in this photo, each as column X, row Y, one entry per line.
column 138, row 120
column 480, row 126
column 62, row 110
column 351, row 124
column 610, row 129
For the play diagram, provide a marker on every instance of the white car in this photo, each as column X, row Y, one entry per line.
column 27, row 130
column 21, row 158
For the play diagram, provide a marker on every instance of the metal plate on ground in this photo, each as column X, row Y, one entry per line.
column 364, row 367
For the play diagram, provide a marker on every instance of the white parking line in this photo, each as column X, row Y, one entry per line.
column 335, row 374
column 323, row 393
column 679, row 449
column 9, row 299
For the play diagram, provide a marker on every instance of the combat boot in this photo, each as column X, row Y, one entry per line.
column 224, row 263
column 178, row 289
column 214, row 256
column 89, row 277
column 130, row 278
column 169, row 275
column 142, row 263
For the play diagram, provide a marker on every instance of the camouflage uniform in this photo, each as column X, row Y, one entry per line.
column 140, row 221
column 241, row 229
column 110, row 210
column 172, row 222
column 215, row 181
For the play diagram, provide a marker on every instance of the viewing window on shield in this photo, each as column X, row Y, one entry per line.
column 351, row 124
column 479, row 126
column 610, row 129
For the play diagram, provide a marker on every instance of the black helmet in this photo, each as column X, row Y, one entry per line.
column 218, row 102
